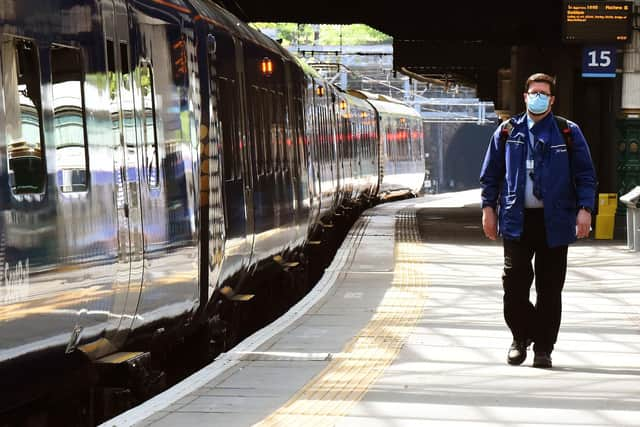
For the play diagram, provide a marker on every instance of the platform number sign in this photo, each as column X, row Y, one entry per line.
column 599, row 61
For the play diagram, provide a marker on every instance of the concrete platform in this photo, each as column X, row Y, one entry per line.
column 406, row 329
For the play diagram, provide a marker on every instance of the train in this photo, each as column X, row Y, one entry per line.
column 159, row 156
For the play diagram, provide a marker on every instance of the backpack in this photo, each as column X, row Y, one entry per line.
column 562, row 125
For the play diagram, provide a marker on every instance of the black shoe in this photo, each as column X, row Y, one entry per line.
column 542, row 359
column 517, row 352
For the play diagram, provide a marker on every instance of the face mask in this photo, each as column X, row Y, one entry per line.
column 537, row 104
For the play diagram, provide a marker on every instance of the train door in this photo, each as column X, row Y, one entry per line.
column 125, row 163
column 313, row 144
column 212, row 154
column 248, row 164
column 225, row 56
column 340, row 147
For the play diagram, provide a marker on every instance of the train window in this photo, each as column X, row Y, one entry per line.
column 68, row 119
column 149, row 130
column 111, row 68
column 124, row 59
column 23, row 110
column 263, row 131
column 126, row 102
column 274, row 146
column 222, row 58
column 300, row 133
column 228, row 123
column 389, row 143
column 274, row 131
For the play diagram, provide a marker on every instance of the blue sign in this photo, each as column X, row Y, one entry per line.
column 599, row 61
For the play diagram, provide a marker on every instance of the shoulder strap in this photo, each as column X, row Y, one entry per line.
column 505, row 131
column 563, row 125
column 565, row 130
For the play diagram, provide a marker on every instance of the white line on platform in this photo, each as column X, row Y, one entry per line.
column 227, row 360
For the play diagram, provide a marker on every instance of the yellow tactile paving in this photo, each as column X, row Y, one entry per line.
column 333, row 392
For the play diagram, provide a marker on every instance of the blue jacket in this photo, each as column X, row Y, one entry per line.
column 568, row 178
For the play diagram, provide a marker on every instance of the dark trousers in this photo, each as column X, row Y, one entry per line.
column 539, row 322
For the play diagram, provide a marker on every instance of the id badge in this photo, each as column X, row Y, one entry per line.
column 530, row 164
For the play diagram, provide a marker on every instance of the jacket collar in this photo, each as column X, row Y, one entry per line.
column 545, row 124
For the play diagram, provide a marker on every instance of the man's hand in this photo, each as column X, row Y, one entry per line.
column 583, row 224
column 489, row 222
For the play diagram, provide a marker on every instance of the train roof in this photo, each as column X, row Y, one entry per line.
column 385, row 104
column 223, row 19
column 308, row 69
column 220, row 17
column 355, row 101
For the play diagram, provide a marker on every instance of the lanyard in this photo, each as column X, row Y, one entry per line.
column 531, row 145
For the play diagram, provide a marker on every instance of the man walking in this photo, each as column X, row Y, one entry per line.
column 538, row 192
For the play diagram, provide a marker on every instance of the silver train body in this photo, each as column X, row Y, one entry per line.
column 152, row 151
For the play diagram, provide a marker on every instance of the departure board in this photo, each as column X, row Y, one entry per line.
column 597, row 21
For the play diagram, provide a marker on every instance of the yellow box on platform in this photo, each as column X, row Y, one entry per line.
column 604, row 226
column 607, row 203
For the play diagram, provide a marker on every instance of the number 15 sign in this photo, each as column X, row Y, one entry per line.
column 599, row 61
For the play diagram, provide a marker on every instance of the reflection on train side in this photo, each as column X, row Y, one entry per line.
column 68, row 119
column 21, row 80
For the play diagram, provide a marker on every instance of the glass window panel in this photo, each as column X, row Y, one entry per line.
column 149, row 125
column 68, row 119
column 21, row 82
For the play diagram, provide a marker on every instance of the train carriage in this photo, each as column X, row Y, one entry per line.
column 157, row 156
column 402, row 159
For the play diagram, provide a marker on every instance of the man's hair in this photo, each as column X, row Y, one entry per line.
column 541, row 77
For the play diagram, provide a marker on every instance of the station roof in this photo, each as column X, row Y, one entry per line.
column 463, row 38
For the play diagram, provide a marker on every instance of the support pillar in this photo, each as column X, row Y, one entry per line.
column 628, row 124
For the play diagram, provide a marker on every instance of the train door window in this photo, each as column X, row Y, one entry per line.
column 111, row 71
column 229, row 120
column 389, row 143
column 325, row 136
column 357, row 150
column 290, row 135
column 264, row 131
column 128, row 122
column 149, row 130
column 23, row 109
column 276, row 142
column 124, row 58
column 275, row 137
column 254, row 107
column 259, row 138
column 301, row 134
column 270, row 130
column 282, row 149
column 410, row 141
column 320, row 127
column 346, row 143
column 68, row 119
column 293, row 135
column 222, row 58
